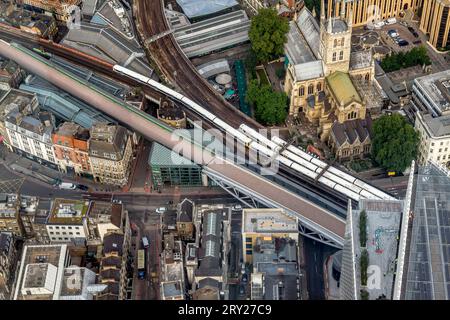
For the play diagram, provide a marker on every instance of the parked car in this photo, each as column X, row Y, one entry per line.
column 244, row 278
column 379, row 24
column 393, row 33
column 403, row 43
column 417, row 42
column 391, row 21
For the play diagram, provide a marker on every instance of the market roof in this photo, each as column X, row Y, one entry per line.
column 164, row 157
column 198, row 8
column 342, row 87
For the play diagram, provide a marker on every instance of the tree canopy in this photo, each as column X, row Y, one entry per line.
column 397, row 61
column 268, row 34
column 394, row 143
column 270, row 106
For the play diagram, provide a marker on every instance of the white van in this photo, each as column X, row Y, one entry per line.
column 67, row 186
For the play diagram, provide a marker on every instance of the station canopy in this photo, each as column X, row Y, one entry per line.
column 198, row 8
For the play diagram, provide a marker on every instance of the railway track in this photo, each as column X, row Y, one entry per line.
column 177, row 68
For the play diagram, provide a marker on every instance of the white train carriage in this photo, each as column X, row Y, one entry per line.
column 327, row 182
column 294, row 150
column 347, row 192
column 342, row 182
column 230, row 130
column 300, row 161
column 368, row 195
column 258, row 137
column 198, row 108
column 341, row 174
column 303, row 170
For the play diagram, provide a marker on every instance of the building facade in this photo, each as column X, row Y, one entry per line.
column 110, row 152
column 8, row 254
column 434, row 143
column 265, row 224
column 15, row 100
column 70, row 142
column 366, row 11
column 68, row 220
column 31, row 135
column 63, row 10
column 9, row 214
column 435, row 22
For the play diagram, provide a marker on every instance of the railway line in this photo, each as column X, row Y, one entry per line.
column 151, row 21
column 309, row 213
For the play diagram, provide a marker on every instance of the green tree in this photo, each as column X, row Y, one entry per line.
column 397, row 61
column 270, row 106
column 364, row 263
column 363, row 228
column 394, row 143
column 268, row 34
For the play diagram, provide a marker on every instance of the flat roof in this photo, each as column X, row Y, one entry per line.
column 383, row 227
column 213, row 34
column 428, row 273
column 68, row 211
column 52, row 254
column 439, row 126
column 198, row 8
column 267, row 221
column 436, row 88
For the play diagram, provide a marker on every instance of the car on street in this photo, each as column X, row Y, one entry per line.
column 244, row 278
column 161, row 210
column 67, row 186
column 403, row 43
column 82, row 187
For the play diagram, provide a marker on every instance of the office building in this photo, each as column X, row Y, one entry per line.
column 265, row 224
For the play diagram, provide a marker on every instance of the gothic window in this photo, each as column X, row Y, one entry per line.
column 319, row 87
column 302, row 91
column 367, row 76
column 341, row 55
column 334, row 56
column 342, row 41
column 310, row 89
column 335, row 43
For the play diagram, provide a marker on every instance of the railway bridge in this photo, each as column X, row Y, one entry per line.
column 249, row 187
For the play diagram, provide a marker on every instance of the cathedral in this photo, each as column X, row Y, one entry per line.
column 320, row 80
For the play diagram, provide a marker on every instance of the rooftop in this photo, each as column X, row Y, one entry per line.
column 198, row 8
column 439, row 126
column 436, row 88
column 67, row 211
column 383, row 226
column 342, row 87
column 267, row 221
column 164, row 157
column 54, row 255
column 427, row 276
column 360, row 59
column 308, row 70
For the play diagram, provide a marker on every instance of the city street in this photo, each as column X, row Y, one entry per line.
column 315, row 257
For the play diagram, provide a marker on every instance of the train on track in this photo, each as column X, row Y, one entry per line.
column 275, row 148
